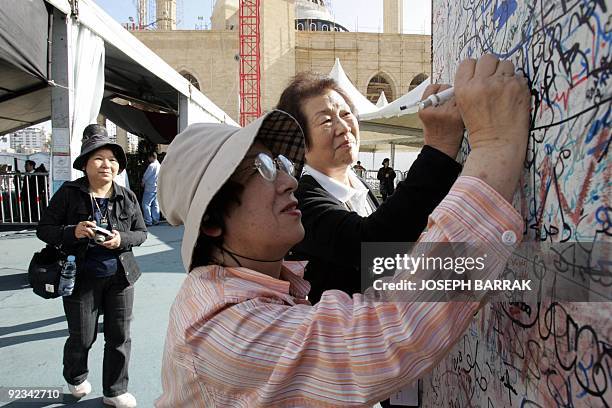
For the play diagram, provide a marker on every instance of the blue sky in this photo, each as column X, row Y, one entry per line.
column 366, row 13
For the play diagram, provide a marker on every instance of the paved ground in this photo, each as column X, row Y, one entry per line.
column 33, row 330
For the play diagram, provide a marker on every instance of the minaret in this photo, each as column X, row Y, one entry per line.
column 166, row 14
column 393, row 16
column 143, row 13
column 225, row 15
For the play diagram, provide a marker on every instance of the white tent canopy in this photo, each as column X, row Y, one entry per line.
column 361, row 103
column 382, row 100
column 398, row 120
column 405, row 105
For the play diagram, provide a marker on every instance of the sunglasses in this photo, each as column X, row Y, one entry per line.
column 267, row 166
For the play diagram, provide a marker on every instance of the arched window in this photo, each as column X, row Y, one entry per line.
column 416, row 81
column 300, row 26
column 313, row 27
column 377, row 84
column 192, row 80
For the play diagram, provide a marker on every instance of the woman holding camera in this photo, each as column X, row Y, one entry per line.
column 99, row 222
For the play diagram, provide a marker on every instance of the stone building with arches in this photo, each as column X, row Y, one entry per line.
column 295, row 35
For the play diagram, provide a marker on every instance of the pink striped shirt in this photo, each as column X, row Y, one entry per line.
column 239, row 338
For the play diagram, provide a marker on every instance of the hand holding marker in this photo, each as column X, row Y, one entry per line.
column 432, row 100
column 437, row 99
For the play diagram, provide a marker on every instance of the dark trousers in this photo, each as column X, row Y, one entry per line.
column 385, row 194
column 386, row 191
column 114, row 297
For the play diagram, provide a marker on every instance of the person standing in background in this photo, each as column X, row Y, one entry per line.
column 386, row 175
column 41, row 186
column 123, row 180
column 29, row 204
column 359, row 169
column 150, row 208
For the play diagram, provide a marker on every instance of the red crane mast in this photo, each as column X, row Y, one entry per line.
column 250, row 68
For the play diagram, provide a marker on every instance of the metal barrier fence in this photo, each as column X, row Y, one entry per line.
column 23, row 197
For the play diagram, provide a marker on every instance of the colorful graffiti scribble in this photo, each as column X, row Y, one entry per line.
column 550, row 354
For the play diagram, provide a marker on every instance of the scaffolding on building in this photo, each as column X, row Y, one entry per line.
column 250, row 69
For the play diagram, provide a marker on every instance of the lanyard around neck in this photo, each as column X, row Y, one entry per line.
column 103, row 216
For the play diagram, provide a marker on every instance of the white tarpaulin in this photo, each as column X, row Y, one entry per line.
column 88, row 83
column 399, row 107
column 382, row 100
column 393, row 121
column 360, row 102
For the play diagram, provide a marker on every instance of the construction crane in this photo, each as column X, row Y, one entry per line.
column 250, row 67
column 249, row 55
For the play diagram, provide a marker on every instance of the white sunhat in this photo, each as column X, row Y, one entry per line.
column 203, row 157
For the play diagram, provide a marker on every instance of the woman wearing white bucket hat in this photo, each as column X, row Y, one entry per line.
column 241, row 331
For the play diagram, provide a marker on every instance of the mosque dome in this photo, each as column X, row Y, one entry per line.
column 310, row 15
column 314, row 15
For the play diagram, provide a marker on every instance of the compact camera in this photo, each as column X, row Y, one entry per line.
column 101, row 235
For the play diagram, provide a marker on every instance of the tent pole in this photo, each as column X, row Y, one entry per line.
column 183, row 116
column 62, row 101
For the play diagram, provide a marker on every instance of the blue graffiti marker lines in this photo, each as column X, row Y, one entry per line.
column 503, row 12
column 548, row 354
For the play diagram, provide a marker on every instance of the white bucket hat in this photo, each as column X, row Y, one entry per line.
column 203, row 157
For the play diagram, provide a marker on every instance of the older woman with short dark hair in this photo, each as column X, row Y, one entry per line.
column 339, row 210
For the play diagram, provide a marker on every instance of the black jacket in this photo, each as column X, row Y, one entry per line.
column 332, row 244
column 387, row 185
column 71, row 204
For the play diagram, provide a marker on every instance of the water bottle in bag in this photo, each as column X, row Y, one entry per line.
column 67, row 277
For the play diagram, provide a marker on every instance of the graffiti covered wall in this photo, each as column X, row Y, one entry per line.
column 551, row 354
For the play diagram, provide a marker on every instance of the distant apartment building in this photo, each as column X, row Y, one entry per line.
column 111, row 129
column 128, row 141
column 5, row 143
column 132, row 140
column 30, row 140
